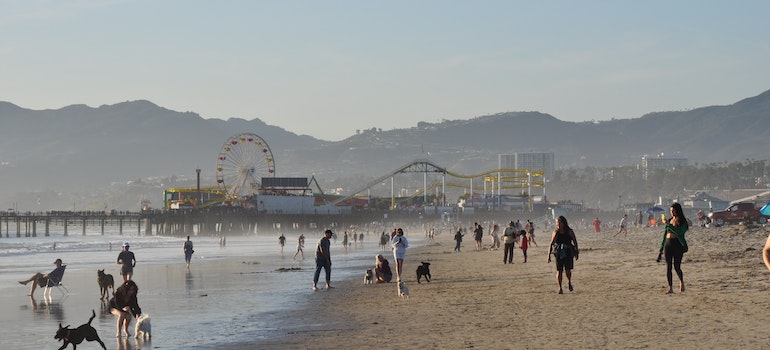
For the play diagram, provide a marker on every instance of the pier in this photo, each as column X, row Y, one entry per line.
column 31, row 224
column 210, row 221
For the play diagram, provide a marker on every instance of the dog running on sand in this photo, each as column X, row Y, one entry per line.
column 423, row 270
column 105, row 281
column 76, row 335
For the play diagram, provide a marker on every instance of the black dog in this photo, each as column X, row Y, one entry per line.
column 105, row 281
column 423, row 270
column 76, row 336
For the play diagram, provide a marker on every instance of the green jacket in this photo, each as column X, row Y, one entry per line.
column 678, row 231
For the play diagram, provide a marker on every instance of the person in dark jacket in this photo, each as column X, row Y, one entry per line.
column 124, row 305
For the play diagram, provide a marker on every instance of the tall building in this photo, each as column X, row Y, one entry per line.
column 661, row 161
column 543, row 161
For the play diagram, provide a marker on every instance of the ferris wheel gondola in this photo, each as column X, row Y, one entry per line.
column 242, row 163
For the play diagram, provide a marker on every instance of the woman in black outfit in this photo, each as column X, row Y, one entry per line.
column 124, row 304
column 564, row 247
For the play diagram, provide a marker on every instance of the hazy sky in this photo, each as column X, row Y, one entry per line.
column 329, row 68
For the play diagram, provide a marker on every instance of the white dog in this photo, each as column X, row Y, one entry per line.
column 143, row 325
column 403, row 291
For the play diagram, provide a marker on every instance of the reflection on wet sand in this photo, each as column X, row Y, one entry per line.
column 47, row 308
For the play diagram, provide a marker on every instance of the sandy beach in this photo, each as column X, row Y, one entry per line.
column 619, row 302
column 473, row 300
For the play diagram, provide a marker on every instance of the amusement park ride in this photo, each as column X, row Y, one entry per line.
column 245, row 177
column 242, row 162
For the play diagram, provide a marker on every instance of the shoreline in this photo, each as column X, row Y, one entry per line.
column 474, row 301
column 229, row 294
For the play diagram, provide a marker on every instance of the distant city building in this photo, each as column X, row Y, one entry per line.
column 661, row 161
column 543, row 161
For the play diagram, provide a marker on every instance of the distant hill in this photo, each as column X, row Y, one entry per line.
column 78, row 148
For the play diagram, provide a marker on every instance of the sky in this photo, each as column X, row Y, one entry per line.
column 329, row 69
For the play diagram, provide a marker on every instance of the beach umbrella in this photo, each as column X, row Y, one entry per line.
column 655, row 210
column 765, row 210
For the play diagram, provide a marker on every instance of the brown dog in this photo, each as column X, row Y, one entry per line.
column 76, row 336
column 105, row 281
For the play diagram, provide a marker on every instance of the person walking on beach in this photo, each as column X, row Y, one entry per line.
column 361, row 239
column 495, row 239
column 478, row 234
column 345, row 240
column 623, row 224
column 384, row 240
column 300, row 245
column 674, row 245
column 323, row 260
column 124, row 304
column 40, row 280
column 509, row 240
column 597, row 225
column 400, row 243
column 564, row 247
column 530, row 227
column 188, row 251
column 458, row 239
column 282, row 241
column 127, row 261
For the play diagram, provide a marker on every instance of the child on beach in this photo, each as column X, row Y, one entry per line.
column 524, row 244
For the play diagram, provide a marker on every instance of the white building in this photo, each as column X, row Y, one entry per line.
column 661, row 161
column 543, row 161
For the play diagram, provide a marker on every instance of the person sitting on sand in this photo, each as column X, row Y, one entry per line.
column 382, row 270
column 42, row 279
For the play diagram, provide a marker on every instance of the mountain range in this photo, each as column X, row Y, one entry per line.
column 69, row 158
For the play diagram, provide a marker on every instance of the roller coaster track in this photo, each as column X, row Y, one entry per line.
column 521, row 176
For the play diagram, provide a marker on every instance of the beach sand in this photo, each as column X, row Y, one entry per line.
column 473, row 300
column 619, row 301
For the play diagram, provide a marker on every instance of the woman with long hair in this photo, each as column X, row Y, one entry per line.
column 124, row 305
column 564, row 247
column 399, row 243
column 674, row 245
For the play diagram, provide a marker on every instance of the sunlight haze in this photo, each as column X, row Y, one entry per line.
column 330, row 68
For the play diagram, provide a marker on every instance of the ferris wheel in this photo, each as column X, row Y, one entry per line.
column 243, row 161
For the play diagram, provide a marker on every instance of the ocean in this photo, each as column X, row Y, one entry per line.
column 241, row 292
